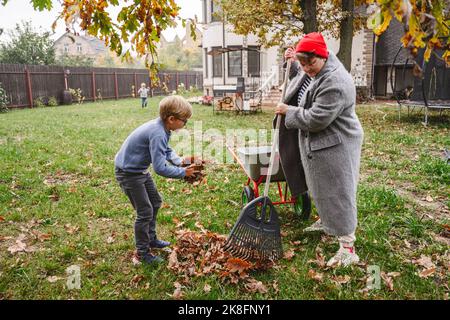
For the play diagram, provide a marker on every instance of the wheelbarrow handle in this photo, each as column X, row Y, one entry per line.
column 235, row 156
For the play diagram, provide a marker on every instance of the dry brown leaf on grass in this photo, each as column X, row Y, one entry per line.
column 53, row 279
column 315, row 275
column 427, row 272
column 275, row 286
column 207, row 288
column 320, row 259
column 41, row 236
column 71, row 229
column 288, row 255
column 388, row 281
column 254, row 286
column 238, row 265
column 20, row 245
column 178, row 293
column 137, row 279
column 2, row 218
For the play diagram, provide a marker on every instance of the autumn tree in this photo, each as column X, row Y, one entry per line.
column 279, row 22
column 27, row 46
column 138, row 24
column 283, row 22
column 426, row 24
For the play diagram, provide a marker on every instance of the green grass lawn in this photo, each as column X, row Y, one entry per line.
column 58, row 194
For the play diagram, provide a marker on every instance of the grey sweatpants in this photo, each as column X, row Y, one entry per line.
column 143, row 195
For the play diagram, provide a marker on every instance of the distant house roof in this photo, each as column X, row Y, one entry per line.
column 96, row 44
column 388, row 45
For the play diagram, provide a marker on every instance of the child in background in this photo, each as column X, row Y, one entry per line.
column 143, row 92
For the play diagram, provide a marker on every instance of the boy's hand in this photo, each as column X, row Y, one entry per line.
column 190, row 171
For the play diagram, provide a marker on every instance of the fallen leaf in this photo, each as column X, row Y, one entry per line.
column 315, row 275
column 186, row 191
column 44, row 236
column 388, row 281
column 424, row 261
column 17, row 247
column 275, row 286
column 237, row 265
column 187, row 214
column 178, row 293
column 166, row 206
column 289, row 254
column 173, row 260
column 53, row 279
column 110, row 239
column 341, row 279
column 255, row 286
column 2, row 218
column 427, row 272
column 137, row 278
column 71, row 229
column 429, row 199
column 207, row 288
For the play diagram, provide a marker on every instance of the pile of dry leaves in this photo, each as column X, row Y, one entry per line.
column 197, row 254
column 199, row 166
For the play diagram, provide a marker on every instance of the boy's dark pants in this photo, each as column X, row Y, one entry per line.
column 144, row 102
column 143, row 195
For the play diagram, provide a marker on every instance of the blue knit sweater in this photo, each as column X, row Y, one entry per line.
column 149, row 144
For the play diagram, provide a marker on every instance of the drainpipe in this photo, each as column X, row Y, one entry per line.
column 223, row 46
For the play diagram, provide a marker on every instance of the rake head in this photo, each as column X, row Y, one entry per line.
column 256, row 233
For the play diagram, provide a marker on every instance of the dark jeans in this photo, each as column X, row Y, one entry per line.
column 143, row 195
column 144, row 102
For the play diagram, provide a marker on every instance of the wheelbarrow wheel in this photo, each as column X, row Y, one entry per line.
column 247, row 195
column 302, row 206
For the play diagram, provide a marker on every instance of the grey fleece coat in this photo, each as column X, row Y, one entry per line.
column 330, row 140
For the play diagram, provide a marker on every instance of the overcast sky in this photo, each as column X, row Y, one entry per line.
column 17, row 10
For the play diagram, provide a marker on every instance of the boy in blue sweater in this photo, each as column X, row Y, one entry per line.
column 149, row 144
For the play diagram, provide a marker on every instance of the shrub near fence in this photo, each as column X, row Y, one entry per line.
column 26, row 83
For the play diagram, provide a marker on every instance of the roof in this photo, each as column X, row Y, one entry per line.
column 219, row 51
column 95, row 43
column 389, row 44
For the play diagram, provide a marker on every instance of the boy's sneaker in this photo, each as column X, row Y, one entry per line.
column 148, row 259
column 345, row 256
column 316, row 226
column 159, row 244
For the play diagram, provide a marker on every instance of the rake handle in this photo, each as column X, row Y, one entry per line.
column 277, row 131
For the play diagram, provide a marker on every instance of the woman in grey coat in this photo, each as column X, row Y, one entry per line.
column 330, row 138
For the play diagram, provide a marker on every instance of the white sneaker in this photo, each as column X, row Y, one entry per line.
column 344, row 257
column 316, row 226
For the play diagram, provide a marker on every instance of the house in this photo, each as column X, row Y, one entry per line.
column 228, row 56
column 88, row 46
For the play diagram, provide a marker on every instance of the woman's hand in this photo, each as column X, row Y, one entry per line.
column 290, row 54
column 281, row 108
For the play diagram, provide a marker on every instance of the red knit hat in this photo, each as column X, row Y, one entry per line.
column 313, row 42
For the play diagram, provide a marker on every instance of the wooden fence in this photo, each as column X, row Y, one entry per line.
column 25, row 83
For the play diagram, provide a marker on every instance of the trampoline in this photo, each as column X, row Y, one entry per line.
column 431, row 92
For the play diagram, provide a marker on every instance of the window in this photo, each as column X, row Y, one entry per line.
column 254, row 64
column 235, row 63
column 79, row 48
column 217, row 65
column 215, row 12
column 206, row 62
column 66, row 47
